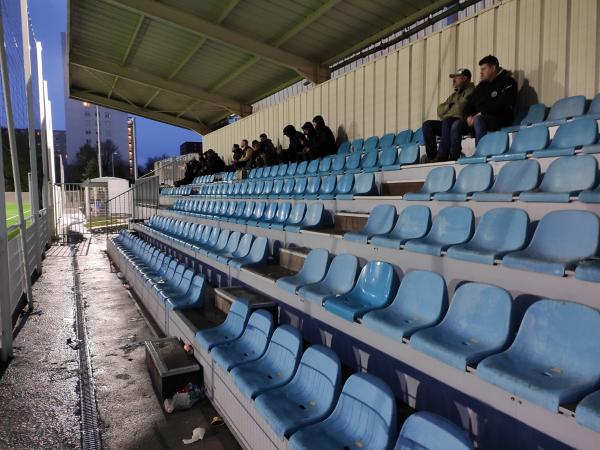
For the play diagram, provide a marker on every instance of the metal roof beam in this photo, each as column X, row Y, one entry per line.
column 157, row 82
column 194, row 24
column 198, row 126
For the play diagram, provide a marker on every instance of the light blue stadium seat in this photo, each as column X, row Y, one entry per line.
column 288, row 188
column 551, row 362
column 535, row 114
column 239, row 210
column 267, row 188
column 561, row 240
column 344, row 147
column 589, row 270
column 364, row 184
column 257, row 256
column 229, row 330
column 273, row 369
column 590, row 195
column 364, row 417
column 299, row 187
column 472, row 178
column 388, row 158
column 500, row 231
column 301, row 168
column 374, row 289
column 282, row 214
column 427, row 431
column 339, row 280
column 316, row 217
column 563, row 109
column 569, row 137
column 277, row 188
column 308, row 398
column 312, row 271
column 451, row 226
column 328, row 186
column 357, row 145
column 249, row 346
column 418, row 137
column 439, row 179
column 324, row 166
column 587, row 412
column 352, row 164
column 212, row 241
column 193, row 298
column 313, row 167
column 312, row 188
column 274, row 170
column 338, row 163
column 387, row 140
column 241, row 251
column 490, row 144
column 368, row 162
column 257, row 214
column 217, row 246
column 594, row 108
column 282, row 170
column 404, row 137
column 291, row 170
column 421, row 302
column 232, row 244
column 372, row 143
column 478, row 324
column 268, row 216
column 413, row 223
column 565, row 177
column 513, row 178
column 381, row 220
column 296, row 216
column 409, row 154
column 526, row 141
column 247, row 214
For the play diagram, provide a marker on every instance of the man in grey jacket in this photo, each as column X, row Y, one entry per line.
column 449, row 127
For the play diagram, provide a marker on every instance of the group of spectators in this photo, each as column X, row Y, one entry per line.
column 314, row 141
column 208, row 163
column 471, row 110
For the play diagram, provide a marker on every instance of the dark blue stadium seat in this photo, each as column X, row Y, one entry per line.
column 478, row 324
column 551, row 362
column 427, row 431
column 413, row 223
column 513, row 178
column 368, row 162
column 421, row 302
column 560, row 241
column 525, row 142
column 352, row 164
column 472, row 178
column 439, row 179
column 374, row 289
column 365, row 416
column 308, row 398
column 569, row 137
column 273, row 369
column 229, row 330
column 491, row 144
column 381, row 220
column 313, row 270
column 388, row 158
column 339, row 280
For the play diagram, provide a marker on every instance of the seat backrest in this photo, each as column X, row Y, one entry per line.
column 283, row 351
column 258, row 172
column 259, row 210
column 313, row 185
column 282, row 170
column 576, row 133
column 177, row 276
column 296, row 214
column 248, row 210
column 566, row 235
column 425, row 430
column 413, row 222
column 301, row 168
column 439, row 179
column 567, row 107
column 237, row 317
column 233, row 241
column 288, row 186
column 535, row 114
column 206, row 234
column 325, row 165
column 344, row 147
column 259, row 250
column 338, row 162
column 473, row 178
column 186, row 281
column 388, row 156
column 403, row 137
column 502, row 230
column 570, row 174
column 300, row 186
column 283, row 211
column 517, row 176
column 530, row 139
column 342, row 272
column 291, row 170
column 315, row 265
column 357, row 145
column 387, row 140
column 353, row 161
column 381, row 220
column 214, row 237
column 371, row 144
column 314, row 215
column 258, row 330
column 452, row 224
column 313, row 167
column 329, row 184
column 274, row 170
column 376, row 284
column 223, row 238
column 418, row 137
column 258, row 188
column 195, row 292
column 277, row 186
column 369, row 159
column 365, row 184
column 422, row 296
column 594, row 105
column 492, row 144
column 409, row 154
column 244, row 245
column 345, row 184
column 270, row 211
column 268, row 187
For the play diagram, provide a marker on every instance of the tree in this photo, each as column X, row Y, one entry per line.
column 86, row 163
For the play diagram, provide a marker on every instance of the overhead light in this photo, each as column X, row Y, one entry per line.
column 86, row 104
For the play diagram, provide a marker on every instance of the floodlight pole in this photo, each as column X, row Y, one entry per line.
column 15, row 162
column 98, row 142
column 43, row 127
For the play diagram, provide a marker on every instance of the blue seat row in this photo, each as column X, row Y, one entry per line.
column 181, row 190
column 228, row 247
column 273, row 215
column 566, row 178
column 210, row 178
column 501, row 234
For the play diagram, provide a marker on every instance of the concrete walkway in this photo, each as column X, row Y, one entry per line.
column 38, row 390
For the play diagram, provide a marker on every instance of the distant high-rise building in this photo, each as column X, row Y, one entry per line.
column 131, row 149
column 190, row 147
column 60, row 142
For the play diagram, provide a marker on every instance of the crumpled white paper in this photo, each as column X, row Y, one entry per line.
column 197, row 435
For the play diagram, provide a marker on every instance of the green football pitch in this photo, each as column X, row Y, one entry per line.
column 12, row 213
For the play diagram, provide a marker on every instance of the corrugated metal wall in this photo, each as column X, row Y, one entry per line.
column 550, row 45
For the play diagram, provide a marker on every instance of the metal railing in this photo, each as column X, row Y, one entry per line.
column 170, row 170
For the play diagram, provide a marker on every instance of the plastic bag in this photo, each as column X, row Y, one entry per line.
column 184, row 398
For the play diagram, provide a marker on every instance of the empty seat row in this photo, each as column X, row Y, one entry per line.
column 201, row 179
column 231, row 248
column 561, row 241
column 273, row 215
column 181, row 190
column 549, row 363
column 299, row 394
column 565, row 178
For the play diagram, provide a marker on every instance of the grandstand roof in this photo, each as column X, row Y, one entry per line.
column 192, row 63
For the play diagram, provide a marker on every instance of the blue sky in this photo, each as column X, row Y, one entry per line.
column 49, row 20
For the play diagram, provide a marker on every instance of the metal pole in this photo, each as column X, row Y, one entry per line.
column 15, row 162
column 43, row 127
column 5, row 307
column 98, row 142
column 112, row 158
column 134, row 150
column 50, row 135
column 62, row 169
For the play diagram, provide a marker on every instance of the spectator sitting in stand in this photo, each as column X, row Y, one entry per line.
column 324, row 142
column 307, row 141
column 247, row 159
column 294, row 151
column 214, row 163
column 192, row 169
column 237, row 151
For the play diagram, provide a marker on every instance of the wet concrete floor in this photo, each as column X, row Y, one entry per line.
column 39, row 401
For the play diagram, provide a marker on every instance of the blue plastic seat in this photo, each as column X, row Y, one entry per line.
column 590, row 195
column 374, row 289
column 364, row 417
column 282, row 214
column 404, row 137
column 394, row 159
column 218, row 246
column 299, row 187
column 240, row 251
column 249, row 346
column 478, row 324
column 564, row 109
column 296, row 216
column 257, row 256
column 363, row 184
column 381, row 220
column 589, row 270
column 257, row 214
column 247, row 214
column 282, row 170
column 421, row 302
column 232, row 244
column 338, row 163
column 313, row 270
column 418, row 137
column 229, row 330
column 560, row 241
column 387, row 140
column 451, row 226
column 193, row 298
column 301, row 168
column 274, row 170
column 551, row 362
column 328, row 186
column 316, row 217
column 513, row 178
column 268, row 216
column 339, row 280
column 344, row 147
column 388, row 158
column 368, row 162
column 535, row 114
column 267, row 188
column 313, row 167
column 471, row 179
column 212, row 241
column 569, row 137
column 324, row 166
column 312, row 188
column 291, row 169
column 273, row 369
column 564, row 177
column 439, row 179
column 277, row 188
column 413, row 223
column 526, row 141
column 288, row 188
column 490, row 144
column 587, row 412
column 594, row 108
column 371, row 144
column 500, row 231
column 357, row 145
column 427, row 431
column 308, row 398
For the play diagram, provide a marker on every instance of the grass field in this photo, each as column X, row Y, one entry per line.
column 12, row 213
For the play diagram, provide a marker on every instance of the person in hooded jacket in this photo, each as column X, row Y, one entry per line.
column 294, row 151
column 324, row 142
column 307, row 141
column 492, row 104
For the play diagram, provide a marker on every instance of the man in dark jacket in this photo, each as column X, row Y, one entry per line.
column 294, row 151
column 492, row 104
column 324, row 143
